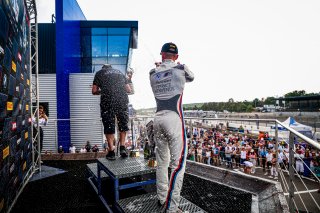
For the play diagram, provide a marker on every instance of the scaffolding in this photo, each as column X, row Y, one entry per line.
column 34, row 86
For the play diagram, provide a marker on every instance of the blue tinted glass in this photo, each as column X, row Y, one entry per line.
column 99, row 31
column 119, row 31
column 96, row 67
column 86, row 46
column 72, row 11
column 99, row 46
column 118, row 46
column 117, row 60
column 122, row 68
column 100, row 60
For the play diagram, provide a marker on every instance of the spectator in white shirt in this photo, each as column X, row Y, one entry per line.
column 243, row 156
column 208, row 155
column 280, row 159
column 269, row 157
column 72, row 148
column 43, row 121
column 299, row 163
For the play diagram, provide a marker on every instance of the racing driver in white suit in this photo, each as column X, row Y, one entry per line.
column 167, row 81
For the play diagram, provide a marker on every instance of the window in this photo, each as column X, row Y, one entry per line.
column 108, row 45
column 99, row 46
column 99, row 31
column 119, row 31
column 118, row 46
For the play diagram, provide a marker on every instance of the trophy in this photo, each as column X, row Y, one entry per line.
column 149, row 149
column 133, row 152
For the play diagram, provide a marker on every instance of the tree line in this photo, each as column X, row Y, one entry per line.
column 243, row 106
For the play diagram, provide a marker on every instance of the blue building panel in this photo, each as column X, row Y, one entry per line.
column 84, row 46
column 68, row 16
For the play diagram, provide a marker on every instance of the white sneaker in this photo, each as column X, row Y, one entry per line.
column 270, row 176
column 266, row 173
column 275, row 177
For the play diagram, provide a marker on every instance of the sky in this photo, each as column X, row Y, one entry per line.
column 236, row 49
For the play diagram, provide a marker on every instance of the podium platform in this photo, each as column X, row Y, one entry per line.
column 125, row 167
column 118, row 172
column 93, row 175
column 93, row 170
column 130, row 174
column 147, row 203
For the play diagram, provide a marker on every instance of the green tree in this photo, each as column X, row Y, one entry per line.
column 243, row 107
column 295, row 93
column 256, row 102
column 270, row 101
column 249, row 108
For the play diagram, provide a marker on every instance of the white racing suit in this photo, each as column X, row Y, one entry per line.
column 167, row 82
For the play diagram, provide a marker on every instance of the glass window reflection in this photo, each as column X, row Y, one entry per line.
column 99, row 31
column 119, row 31
column 122, row 68
column 106, row 45
column 100, row 60
column 96, row 67
column 99, row 46
column 117, row 60
column 118, row 46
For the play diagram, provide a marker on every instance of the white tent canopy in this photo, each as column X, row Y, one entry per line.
column 297, row 126
column 291, row 122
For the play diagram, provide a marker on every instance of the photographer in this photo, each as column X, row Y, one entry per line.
column 129, row 74
column 43, row 120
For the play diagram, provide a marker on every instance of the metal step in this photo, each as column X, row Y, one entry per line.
column 127, row 167
column 92, row 168
column 147, row 203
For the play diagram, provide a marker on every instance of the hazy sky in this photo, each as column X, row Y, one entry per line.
column 236, row 49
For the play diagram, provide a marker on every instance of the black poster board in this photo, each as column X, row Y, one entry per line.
column 15, row 131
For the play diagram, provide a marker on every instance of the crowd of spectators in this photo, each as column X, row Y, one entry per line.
column 245, row 152
column 235, row 150
column 87, row 148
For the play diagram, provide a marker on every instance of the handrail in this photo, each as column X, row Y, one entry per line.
column 74, row 119
column 232, row 119
column 303, row 137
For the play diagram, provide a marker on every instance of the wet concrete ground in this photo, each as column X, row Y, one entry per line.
column 67, row 192
column 71, row 191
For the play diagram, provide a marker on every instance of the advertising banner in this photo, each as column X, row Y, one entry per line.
column 15, row 140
